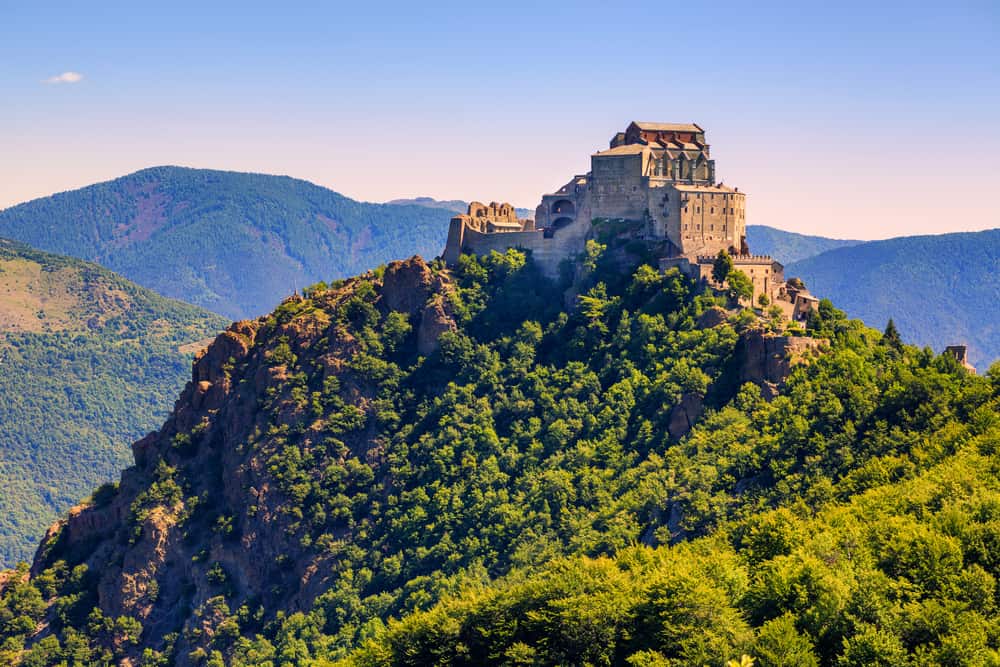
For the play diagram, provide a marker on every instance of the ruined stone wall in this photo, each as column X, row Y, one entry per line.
column 547, row 250
column 495, row 218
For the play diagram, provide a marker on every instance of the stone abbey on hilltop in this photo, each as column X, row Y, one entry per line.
column 660, row 176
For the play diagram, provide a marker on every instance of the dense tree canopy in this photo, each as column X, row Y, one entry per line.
column 102, row 369
column 527, row 504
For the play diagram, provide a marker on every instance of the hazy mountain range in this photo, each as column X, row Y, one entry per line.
column 788, row 247
column 454, row 205
column 233, row 243
column 202, row 236
column 939, row 290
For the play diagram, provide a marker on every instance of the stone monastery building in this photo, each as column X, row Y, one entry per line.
column 660, row 175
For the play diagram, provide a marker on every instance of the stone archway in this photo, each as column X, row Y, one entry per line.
column 563, row 207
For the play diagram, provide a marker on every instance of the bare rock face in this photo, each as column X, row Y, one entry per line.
column 712, row 318
column 768, row 359
column 406, row 285
column 684, row 415
column 434, row 321
column 201, row 512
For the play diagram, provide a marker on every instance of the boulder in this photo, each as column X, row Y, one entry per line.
column 712, row 318
column 684, row 415
column 406, row 285
column 434, row 321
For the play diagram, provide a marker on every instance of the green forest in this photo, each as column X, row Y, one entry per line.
column 73, row 398
column 515, row 497
column 940, row 290
column 233, row 243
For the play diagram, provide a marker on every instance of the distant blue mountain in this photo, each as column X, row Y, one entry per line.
column 789, row 247
column 939, row 290
column 231, row 242
column 454, row 205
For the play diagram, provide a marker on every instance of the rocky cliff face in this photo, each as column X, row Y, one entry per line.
column 204, row 512
column 768, row 359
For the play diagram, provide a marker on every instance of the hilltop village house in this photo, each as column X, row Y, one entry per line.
column 660, row 175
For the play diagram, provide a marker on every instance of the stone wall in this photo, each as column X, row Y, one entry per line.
column 618, row 188
column 548, row 248
column 766, row 275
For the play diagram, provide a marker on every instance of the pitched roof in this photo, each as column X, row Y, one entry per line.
column 624, row 149
column 667, row 127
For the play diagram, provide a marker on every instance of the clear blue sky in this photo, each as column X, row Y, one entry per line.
column 847, row 119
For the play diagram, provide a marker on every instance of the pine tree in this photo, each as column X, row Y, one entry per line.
column 891, row 337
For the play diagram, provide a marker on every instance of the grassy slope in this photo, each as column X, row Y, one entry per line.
column 202, row 236
column 89, row 363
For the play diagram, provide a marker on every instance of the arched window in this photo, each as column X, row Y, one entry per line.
column 563, row 207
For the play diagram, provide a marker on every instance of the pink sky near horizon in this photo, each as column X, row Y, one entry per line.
column 811, row 184
column 849, row 120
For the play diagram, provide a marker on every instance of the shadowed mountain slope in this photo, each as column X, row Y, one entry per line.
column 940, row 290
column 88, row 363
column 788, row 247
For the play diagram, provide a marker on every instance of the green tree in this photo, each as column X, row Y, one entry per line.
column 891, row 337
column 740, row 286
column 722, row 267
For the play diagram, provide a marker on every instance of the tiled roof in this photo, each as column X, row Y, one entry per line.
column 668, row 127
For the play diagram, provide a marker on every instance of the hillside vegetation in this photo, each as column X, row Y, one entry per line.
column 940, row 290
column 422, row 466
column 233, row 243
column 88, row 363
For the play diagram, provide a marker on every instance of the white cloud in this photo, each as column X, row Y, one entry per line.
column 65, row 77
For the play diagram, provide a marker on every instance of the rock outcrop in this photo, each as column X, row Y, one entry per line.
column 406, row 285
column 201, row 512
column 768, row 359
column 684, row 415
column 712, row 317
column 434, row 321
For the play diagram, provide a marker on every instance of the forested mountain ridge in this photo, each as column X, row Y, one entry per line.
column 455, row 450
column 88, row 363
column 939, row 290
column 202, row 235
column 453, row 205
column 788, row 247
